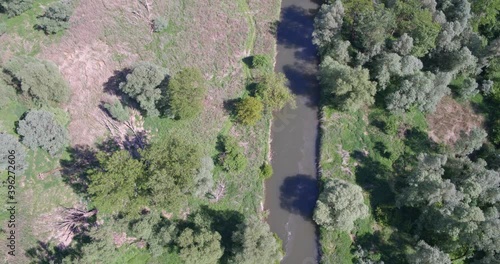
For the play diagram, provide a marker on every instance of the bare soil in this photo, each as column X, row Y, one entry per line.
column 449, row 119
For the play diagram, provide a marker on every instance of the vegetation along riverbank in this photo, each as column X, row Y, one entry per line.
column 410, row 131
column 141, row 129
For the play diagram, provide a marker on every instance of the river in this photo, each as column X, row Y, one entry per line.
column 292, row 191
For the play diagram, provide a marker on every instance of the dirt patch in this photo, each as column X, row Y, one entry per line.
column 449, row 119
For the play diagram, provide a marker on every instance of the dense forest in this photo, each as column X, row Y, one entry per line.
column 394, row 189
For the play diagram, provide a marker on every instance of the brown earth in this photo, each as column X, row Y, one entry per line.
column 449, row 119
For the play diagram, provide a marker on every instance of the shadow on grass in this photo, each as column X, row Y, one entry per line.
column 391, row 249
column 373, row 177
column 298, row 195
column 48, row 253
column 82, row 158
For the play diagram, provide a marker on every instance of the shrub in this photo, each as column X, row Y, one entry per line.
column 56, row 17
column 40, row 129
column 7, row 144
column 266, row 171
column 274, row 92
column 185, row 94
column 203, row 181
column 231, row 158
column 339, row 205
column 143, row 84
column 249, row 111
column 160, row 24
column 15, row 7
column 495, row 132
column 3, row 28
column 117, row 111
column 262, row 62
column 38, row 79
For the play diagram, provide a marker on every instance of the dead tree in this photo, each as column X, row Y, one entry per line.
column 75, row 221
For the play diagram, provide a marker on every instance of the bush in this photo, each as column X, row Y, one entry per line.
column 40, row 129
column 117, row 111
column 160, row 24
column 185, row 94
column 3, row 28
column 249, row 111
column 231, row 158
column 262, row 62
column 56, row 17
column 144, row 85
column 15, row 7
column 266, row 171
column 38, row 79
column 7, row 144
column 495, row 132
column 274, row 92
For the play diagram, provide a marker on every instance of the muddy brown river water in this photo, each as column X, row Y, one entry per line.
column 292, row 191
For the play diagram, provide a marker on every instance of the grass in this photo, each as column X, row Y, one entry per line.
column 216, row 47
column 362, row 147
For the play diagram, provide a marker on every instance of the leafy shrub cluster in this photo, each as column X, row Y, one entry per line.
column 231, row 157
column 15, row 7
column 10, row 143
column 56, row 17
column 271, row 93
column 39, row 128
column 181, row 98
column 117, row 111
column 39, row 80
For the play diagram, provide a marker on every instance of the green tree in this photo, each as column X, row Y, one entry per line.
column 39, row 128
column 327, row 25
column 199, row 246
column 372, row 28
column 266, row 171
column 417, row 22
column 185, row 94
column 113, row 186
column 426, row 254
column 423, row 90
column 468, row 142
column 485, row 19
column 10, row 146
column 15, row 7
column 232, row 157
column 262, row 62
column 258, row 245
column 117, row 111
column 350, row 88
column 144, row 85
column 160, row 24
column 272, row 89
column 56, row 17
column 171, row 166
column 339, row 205
column 38, row 79
column 249, row 110
column 204, row 181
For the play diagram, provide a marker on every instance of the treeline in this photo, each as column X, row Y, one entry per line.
column 406, row 55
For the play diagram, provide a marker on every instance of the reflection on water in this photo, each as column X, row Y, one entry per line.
column 292, row 191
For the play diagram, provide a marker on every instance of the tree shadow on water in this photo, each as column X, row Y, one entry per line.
column 298, row 195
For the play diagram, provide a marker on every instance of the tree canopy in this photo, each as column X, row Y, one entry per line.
column 38, row 79
column 185, row 94
column 39, row 128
